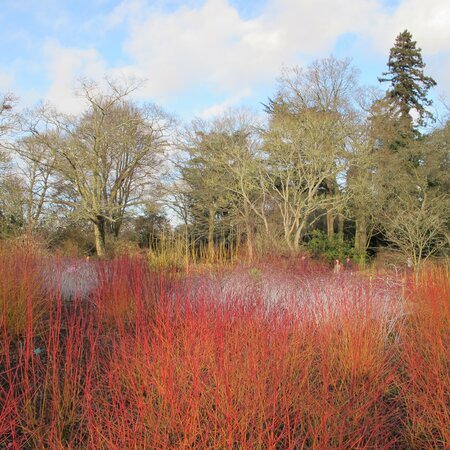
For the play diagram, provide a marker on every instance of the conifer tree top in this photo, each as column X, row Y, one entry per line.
column 409, row 84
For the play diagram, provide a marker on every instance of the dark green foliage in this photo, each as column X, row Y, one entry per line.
column 151, row 227
column 409, row 84
column 330, row 248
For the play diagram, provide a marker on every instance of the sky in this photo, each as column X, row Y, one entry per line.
column 198, row 58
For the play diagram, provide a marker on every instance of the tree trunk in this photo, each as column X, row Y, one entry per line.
column 298, row 237
column 100, row 238
column 211, row 215
column 288, row 235
column 249, row 232
column 361, row 237
column 331, row 193
column 116, row 226
column 341, row 227
column 330, row 222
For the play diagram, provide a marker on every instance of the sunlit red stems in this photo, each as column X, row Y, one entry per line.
column 279, row 354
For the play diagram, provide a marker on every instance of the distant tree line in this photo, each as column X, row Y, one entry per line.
column 333, row 161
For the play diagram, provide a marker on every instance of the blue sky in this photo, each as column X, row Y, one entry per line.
column 199, row 57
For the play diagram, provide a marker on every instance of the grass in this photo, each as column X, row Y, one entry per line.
column 276, row 354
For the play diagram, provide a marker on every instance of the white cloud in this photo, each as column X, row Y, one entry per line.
column 213, row 45
column 65, row 66
column 123, row 12
column 219, row 108
column 210, row 45
column 428, row 21
column 312, row 27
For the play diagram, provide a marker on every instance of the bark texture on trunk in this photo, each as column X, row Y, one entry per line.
column 211, row 224
column 361, row 237
column 341, row 227
column 330, row 223
column 100, row 236
column 249, row 232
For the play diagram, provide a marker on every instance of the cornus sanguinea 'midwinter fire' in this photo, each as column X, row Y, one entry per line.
column 287, row 356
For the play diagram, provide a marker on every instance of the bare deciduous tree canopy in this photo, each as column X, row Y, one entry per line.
column 331, row 156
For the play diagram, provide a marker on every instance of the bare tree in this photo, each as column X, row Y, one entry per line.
column 12, row 214
column 363, row 195
column 37, row 168
column 209, row 204
column 11, row 185
column 416, row 201
column 8, row 119
column 239, row 159
column 8, row 122
column 303, row 152
column 417, row 228
column 109, row 155
column 328, row 86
